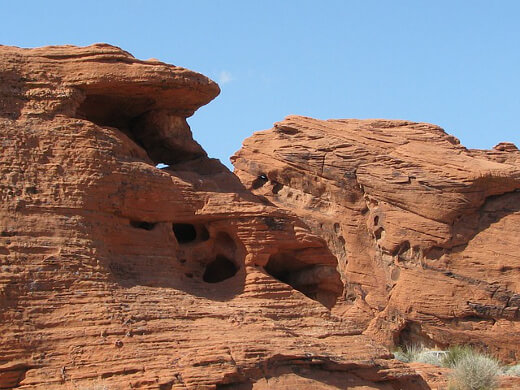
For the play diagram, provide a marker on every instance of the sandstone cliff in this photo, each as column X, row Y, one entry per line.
column 426, row 232
column 116, row 273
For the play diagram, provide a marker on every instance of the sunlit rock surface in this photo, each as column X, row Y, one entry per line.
column 116, row 273
column 426, row 232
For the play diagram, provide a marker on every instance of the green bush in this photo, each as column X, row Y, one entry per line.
column 455, row 353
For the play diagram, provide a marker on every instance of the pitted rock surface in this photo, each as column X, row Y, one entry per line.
column 426, row 232
column 117, row 274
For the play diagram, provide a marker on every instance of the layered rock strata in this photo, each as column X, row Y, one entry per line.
column 117, row 274
column 426, row 232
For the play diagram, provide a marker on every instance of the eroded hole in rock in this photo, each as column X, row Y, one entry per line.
column 219, row 270
column 378, row 233
column 276, row 187
column 321, row 283
column 434, row 253
column 143, row 225
column 412, row 334
column 166, row 137
column 259, row 181
column 114, row 111
column 403, row 250
column 336, row 228
column 186, row 233
column 210, row 257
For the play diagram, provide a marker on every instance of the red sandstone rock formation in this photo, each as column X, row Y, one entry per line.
column 116, row 273
column 426, row 232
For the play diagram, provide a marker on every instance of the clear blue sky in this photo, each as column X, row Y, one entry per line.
column 452, row 63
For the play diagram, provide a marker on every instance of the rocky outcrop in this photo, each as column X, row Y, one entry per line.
column 426, row 232
column 116, row 273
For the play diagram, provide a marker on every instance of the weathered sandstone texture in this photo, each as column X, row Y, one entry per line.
column 426, row 232
column 116, row 273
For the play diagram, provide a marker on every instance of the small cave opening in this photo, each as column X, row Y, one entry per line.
column 321, row 283
column 187, row 232
column 165, row 137
column 114, row 111
column 277, row 187
column 259, row 181
column 282, row 266
column 142, row 225
column 184, row 232
column 378, row 233
column 412, row 334
column 402, row 250
column 219, row 270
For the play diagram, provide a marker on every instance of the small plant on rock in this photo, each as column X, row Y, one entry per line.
column 512, row 370
column 475, row 371
column 455, row 353
column 418, row 353
column 408, row 353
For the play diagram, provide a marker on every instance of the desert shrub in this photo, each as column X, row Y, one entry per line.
column 474, row 371
column 417, row 353
column 400, row 355
column 455, row 353
column 512, row 370
column 430, row 357
column 408, row 353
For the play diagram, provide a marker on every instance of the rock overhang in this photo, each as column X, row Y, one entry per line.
column 106, row 70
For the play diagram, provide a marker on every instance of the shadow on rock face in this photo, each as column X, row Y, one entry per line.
column 317, row 281
column 11, row 105
column 196, row 258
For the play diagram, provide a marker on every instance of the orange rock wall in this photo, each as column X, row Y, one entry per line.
column 426, row 232
column 116, row 273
